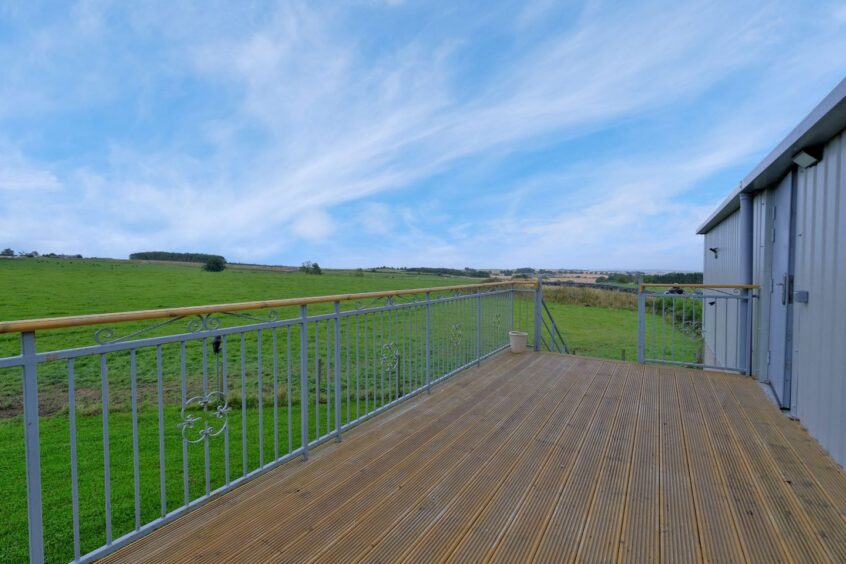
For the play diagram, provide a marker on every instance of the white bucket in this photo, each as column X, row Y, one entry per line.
column 518, row 341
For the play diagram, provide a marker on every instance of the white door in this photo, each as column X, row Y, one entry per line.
column 779, row 357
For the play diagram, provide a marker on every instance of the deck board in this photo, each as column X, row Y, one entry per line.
column 540, row 457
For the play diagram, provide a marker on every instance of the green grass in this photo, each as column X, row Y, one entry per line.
column 47, row 287
column 605, row 333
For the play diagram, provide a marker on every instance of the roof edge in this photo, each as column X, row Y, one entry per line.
column 825, row 121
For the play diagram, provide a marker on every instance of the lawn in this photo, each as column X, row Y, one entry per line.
column 34, row 288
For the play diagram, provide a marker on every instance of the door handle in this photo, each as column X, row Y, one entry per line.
column 783, row 285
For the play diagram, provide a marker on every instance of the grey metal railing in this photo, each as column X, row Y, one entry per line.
column 134, row 425
column 695, row 325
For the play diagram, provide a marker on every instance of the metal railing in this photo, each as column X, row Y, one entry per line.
column 135, row 424
column 696, row 325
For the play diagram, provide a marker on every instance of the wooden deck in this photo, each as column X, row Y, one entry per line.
column 547, row 458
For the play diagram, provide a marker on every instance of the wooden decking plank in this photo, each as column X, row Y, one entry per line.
column 716, row 520
column 756, row 525
column 416, row 523
column 489, row 525
column 655, row 465
column 601, row 533
column 328, row 477
column 522, row 534
column 448, row 525
column 276, row 532
column 370, row 440
column 368, row 532
column 559, row 540
column 793, row 524
column 639, row 538
column 826, row 519
column 397, row 487
column 679, row 533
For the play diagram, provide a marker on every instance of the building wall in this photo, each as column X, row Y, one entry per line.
column 819, row 355
column 720, row 319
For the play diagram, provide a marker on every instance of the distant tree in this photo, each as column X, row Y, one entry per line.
column 214, row 264
column 7, row 252
column 310, row 268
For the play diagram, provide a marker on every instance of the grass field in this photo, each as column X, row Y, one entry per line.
column 34, row 288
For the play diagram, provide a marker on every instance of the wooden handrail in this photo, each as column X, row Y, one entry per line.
column 104, row 318
column 703, row 286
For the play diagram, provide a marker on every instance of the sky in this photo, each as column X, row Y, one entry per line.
column 493, row 134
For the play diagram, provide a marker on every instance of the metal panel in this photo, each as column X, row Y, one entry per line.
column 820, row 325
column 722, row 267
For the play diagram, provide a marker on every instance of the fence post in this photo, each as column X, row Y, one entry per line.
column 538, row 306
column 479, row 328
column 33, row 448
column 338, row 371
column 641, row 324
column 304, row 379
column 428, row 345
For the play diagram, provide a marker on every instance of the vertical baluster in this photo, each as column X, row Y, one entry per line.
column 337, row 343
column 160, row 401
column 275, row 397
column 288, row 391
column 382, row 354
column 684, row 303
column 206, row 465
column 74, row 469
column 304, row 380
column 243, row 404
column 478, row 328
column 107, row 481
column 357, row 372
column 366, row 369
column 349, row 368
column 260, row 398
column 183, row 373
column 32, row 443
column 673, row 331
column 133, row 399
column 225, row 385
column 316, row 379
column 329, row 379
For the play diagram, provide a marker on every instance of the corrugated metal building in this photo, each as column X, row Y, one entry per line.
column 784, row 228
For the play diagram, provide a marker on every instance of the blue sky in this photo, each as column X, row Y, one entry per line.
column 363, row 133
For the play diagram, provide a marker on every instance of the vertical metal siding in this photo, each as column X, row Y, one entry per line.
column 820, row 325
column 720, row 319
column 760, row 275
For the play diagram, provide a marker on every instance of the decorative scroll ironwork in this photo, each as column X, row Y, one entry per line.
column 198, row 427
column 456, row 335
column 207, row 322
column 106, row 335
column 390, row 356
column 272, row 315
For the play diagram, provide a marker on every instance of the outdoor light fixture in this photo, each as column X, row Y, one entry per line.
column 807, row 157
column 714, row 250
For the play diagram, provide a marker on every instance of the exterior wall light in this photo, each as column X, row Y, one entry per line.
column 807, row 157
column 716, row 251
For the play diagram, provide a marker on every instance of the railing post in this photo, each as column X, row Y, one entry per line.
column 338, row 371
column 641, row 325
column 33, row 448
column 538, row 307
column 304, row 379
column 479, row 328
column 428, row 344
column 511, row 310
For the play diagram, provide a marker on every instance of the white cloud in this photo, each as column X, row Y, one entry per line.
column 314, row 225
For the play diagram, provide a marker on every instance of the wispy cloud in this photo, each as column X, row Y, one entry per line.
column 367, row 133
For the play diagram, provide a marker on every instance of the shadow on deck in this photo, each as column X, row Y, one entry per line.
column 541, row 457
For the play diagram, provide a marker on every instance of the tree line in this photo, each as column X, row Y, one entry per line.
column 176, row 257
